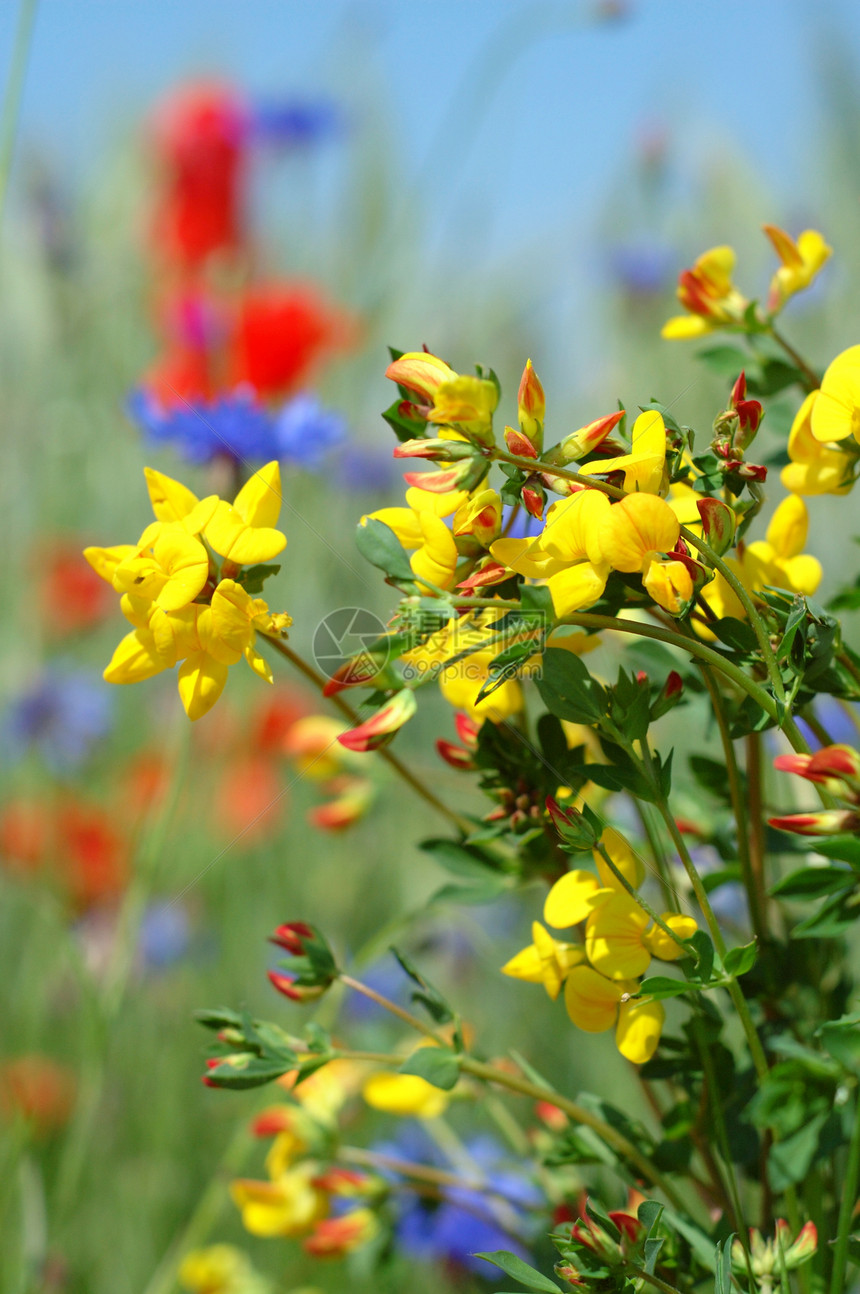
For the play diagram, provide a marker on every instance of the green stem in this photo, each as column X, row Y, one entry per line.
column 462, row 824
column 756, row 897
column 661, row 866
column 657, row 1283
column 846, row 1207
column 812, row 379
column 204, row 1216
column 14, row 92
column 642, row 903
column 524, row 1086
column 714, row 1102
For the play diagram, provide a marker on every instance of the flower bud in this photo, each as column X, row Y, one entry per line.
column 421, row 372
column 670, row 695
column 457, row 756
column 380, row 728
column 718, row 524
column 531, row 409
column 519, row 444
column 335, row 1237
column 534, row 499
column 829, row 822
column 291, row 937
column 480, row 516
column 583, row 442
column 289, row 986
column 448, row 451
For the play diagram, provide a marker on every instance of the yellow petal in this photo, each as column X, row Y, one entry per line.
column 441, row 505
column 659, row 942
column 683, row 327
column 135, row 659
column 613, row 938
column 636, row 527
column 591, row 999
column 572, row 899
column 670, row 584
column 231, row 536
column 572, row 529
column 623, row 856
column 104, row 561
column 201, row 681
column 788, row 527
column 186, row 563
column 404, row 1094
column 259, row 500
column 526, row 557
column 259, row 665
column 577, row 587
column 837, row 410
column 803, row 574
column 639, row 1027
column 171, row 500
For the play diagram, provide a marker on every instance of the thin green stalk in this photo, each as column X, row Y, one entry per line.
column 642, row 903
column 715, row 1104
column 462, row 824
column 813, row 381
column 846, row 1208
column 654, row 1281
column 524, row 1086
column 753, row 889
column 755, row 790
column 14, row 93
column 658, row 854
column 204, row 1215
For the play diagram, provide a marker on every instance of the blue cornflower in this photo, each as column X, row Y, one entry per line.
column 164, row 935
column 63, row 715
column 236, row 425
column 305, row 431
column 465, row 1222
column 365, row 470
column 294, row 123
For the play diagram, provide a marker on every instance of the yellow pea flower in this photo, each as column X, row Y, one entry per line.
column 613, row 938
column 479, row 516
column 645, row 466
column 836, row 412
column 173, row 502
column 287, row 1206
column 421, row 372
column 595, row 1004
column 460, row 683
column 707, row 292
column 545, row 961
column 466, row 403
column 244, row 531
column 669, row 583
column 801, row 261
column 815, row 468
column 659, row 943
column 136, row 658
column 778, row 559
column 169, row 567
column 217, row 1269
column 577, row 894
column 420, row 526
column 404, row 1094
column 636, row 530
column 624, row 857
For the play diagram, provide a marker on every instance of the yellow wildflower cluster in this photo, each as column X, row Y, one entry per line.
column 600, row 975
column 187, row 607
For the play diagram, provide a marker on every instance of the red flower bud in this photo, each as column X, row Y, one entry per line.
column 291, row 937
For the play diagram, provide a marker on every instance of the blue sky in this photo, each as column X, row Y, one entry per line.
column 526, row 108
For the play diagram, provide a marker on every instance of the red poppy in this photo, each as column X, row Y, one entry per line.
column 283, row 331
column 37, row 1088
column 24, row 835
column 198, row 136
column 91, row 854
column 71, row 596
column 252, row 799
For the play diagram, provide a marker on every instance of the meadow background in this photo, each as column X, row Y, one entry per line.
column 504, row 181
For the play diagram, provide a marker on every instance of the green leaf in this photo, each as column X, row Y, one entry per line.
column 723, row 1266
column 469, row 894
column 845, row 849
column 841, row 1039
column 738, row 961
column 649, row 1214
column 255, row 1072
column 435, row 1065
column 710, row 774
column 662, row 986
column 727, row 361
column 218, row 1017
column 429, row 996
column 814, row 882
column 253, row 579
column 705, row 952
column 834, row 916
column 460, row 860
column 511, row 1265
column 602, row 1218
column 379, row 545
column 568, row 690
column 774, row 376
column 736, row 634
column 404, row 428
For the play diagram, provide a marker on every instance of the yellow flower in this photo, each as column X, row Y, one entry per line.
column 578, row 893
column 287, row 1206
column 466, row 403
column 480, row 516
column 815, row 468
column 620, row 939
column 669, row 583
column 778, row 559
column 218, row 1269
column 244, row 531
column 169, row 567
column 636, row 529
column 645, row 466
column 404, row 1094
column 836, row 412
column 461, row 683
column 595, row 1004
column 708, row 293
column 420, row 526
column 801, row 261
column 545, row 961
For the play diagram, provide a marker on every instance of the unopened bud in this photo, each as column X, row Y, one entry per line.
column 531, row 409
column 381, row 727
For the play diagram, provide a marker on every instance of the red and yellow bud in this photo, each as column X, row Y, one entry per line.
column 718, row 524
column 335, row 1237
column 287, row 985
column 381, row 727
column 436, row 450
column 829, row 822
column 353, row 797
column 531, row 409
column 587, row 439
column 480, row 516
column 421, row 372
column 291, row 937
column 518, row 443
